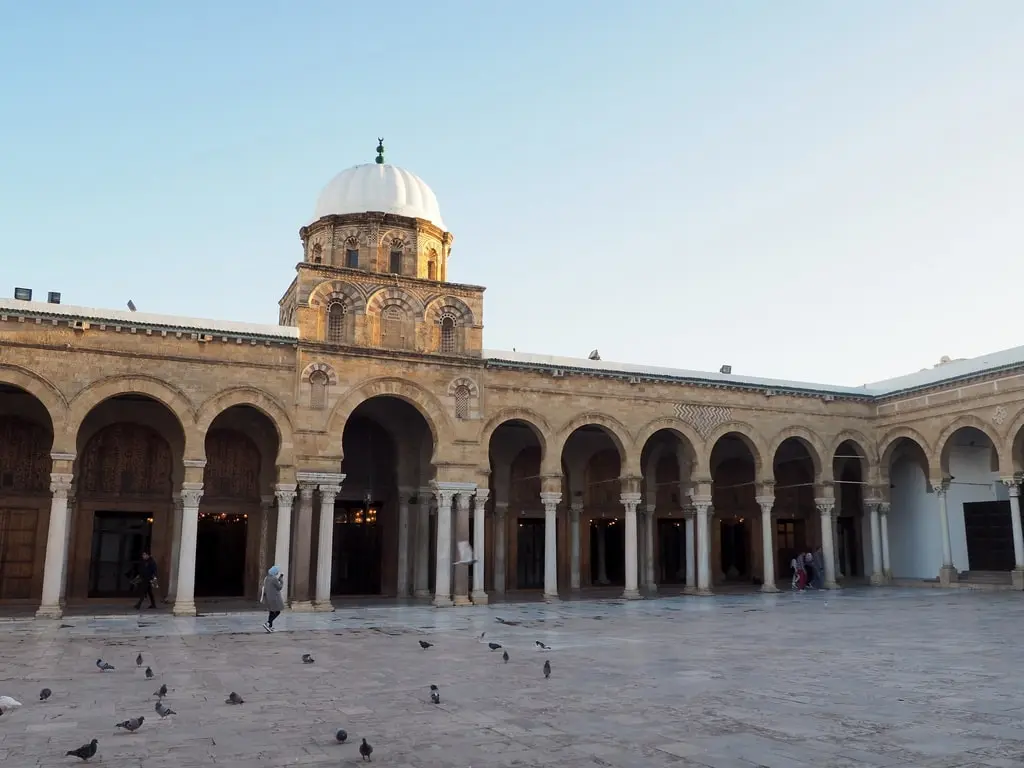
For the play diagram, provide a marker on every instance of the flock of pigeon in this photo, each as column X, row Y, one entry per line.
column 133, row 724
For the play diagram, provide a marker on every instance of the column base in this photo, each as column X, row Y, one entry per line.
column 769, row 588
column 948, row 575
column 834, row 585
column 479, row 598
column 1017, row 574
column 877, row 580
column 421, row 594
column 688, row 590
column 302, row 606
column 461, row 600
column 323, row 607
column 50, row 612
column 551, row 598
column 440, row 601
column 704, row 592
column 888, row 577
column 652, row 589
column 184, row 609
column 631, row 594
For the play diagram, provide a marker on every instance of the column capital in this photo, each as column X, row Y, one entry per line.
column 57, row 456
column 577, row 505
column 940, row 485
column 482, row 494
column 328, row 491
column 285, row 493
column 650, row 508
column 766, row 488
column 1012, row 485
column 767, row 503
column 825, row 506
column 191, row 493
column 550, row 499
column 60, row 484
column 883, row 508
column 306, row 491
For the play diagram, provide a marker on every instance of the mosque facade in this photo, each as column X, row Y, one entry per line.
column 356, row 442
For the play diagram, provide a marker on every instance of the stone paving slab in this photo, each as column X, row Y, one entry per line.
column 861, row 677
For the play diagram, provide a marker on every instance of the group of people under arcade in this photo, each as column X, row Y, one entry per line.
column 808, row 570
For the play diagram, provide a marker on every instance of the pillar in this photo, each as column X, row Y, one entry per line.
column 184, row 601
column 172, row 568
column 325, row 545
column 883, row 524
column 56, row 541
column 68, row 538
column 690, row 551
column 443, row 576
column 649, row 526
column 703, row 524
column 421, row 568
column 630, row 501
column 1013, row 488
column 574, row 545
column 835, row 544
column 641, row 553
column 266, row 507
column 479, row 595
column 285, row 493
column 461, row 512
column 302, row 540
column 500, row 545
column 947, row 574
column 876, row 545
column 550, row 502
column 402, row 576
column 767, row 503
column 828, row 550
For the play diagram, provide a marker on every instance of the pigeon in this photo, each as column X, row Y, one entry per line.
column 424, row 645
column 149, row 673
column 547, row 669
column 504, row 656
column 162, row 710
column 465, row 550
column 7, row 704
column 542, row 646
column 131, row 725
column 161, row 691
column 138, row 660
column 494, row 646
column 365, row 750
column 506, row 621
column 234, row 698
column 45, row 694
column 103, row 666
column 435, row 695
column 307, row 659
column 341, row 736
column 482, row 635
column 85, row 751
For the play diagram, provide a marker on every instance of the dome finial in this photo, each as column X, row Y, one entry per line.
column 380, row 151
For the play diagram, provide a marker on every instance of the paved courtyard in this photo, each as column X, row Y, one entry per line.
column 859, row 678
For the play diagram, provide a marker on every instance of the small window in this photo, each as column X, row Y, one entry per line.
column 318, row 390
column 395, row 266
column 391, row 328
column 448, row 346
column 431, row 270
column 462, row 402
column 352, row 258
column 318, row 253
column 336, row 323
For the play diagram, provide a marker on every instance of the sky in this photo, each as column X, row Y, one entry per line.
column 811, row 189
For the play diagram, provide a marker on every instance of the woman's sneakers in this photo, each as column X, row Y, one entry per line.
column 267, row 627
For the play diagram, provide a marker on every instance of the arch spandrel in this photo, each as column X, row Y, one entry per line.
column 754, row 441
column 391, row 295
column 1013, row 443
column 421, row 399
column 688, row 436
column 263, row 402
column 891, row 439
column 940, row 458
column 41, row 389
column 865, row 446
column 330, row 291
column 813, row 444
column 614, row 428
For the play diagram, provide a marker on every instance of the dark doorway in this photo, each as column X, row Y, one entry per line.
column 431, row 552
column 790, row 540
column 989, row 535
column 735, row 550
column 357, row 550
column 846, row 547
column 17, row 552
column 672, row 551
column 220, row 555
column 530, row 553
column 118, row 541
column 614, row 535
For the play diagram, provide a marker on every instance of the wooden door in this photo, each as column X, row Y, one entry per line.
column 17, row 552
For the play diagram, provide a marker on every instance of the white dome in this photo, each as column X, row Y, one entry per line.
column 383, row 187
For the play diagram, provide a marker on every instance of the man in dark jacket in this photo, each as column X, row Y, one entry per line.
column 147, row 577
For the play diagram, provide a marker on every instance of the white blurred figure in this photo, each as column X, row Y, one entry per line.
column 465, row 553
column 7, row 704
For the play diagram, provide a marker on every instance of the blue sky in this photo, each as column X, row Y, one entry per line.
column 811, row 190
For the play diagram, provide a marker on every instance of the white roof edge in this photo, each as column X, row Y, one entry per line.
column 955, row 369
column 148, row 318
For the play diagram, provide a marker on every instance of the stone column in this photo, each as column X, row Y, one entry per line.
column 55, row 565
column 703, row 525
column 876, row 544
column 479, row 595
column 883, row 524
column 266, row 507
column 421, row 576
column 500, row 545
column 835, row 543
column 172, row 568
column 402, row 577
column 184, row 601
column 574, row 545
column 1013, row 488
column 828, row 550
column 461, row 511
column 767, row 503
column 690, row 551
column 325, row 545
column 947, row 574
column 285, row 493
column 649, row 526
column 302, row 539
column 550, row 502
column 67, row 546
column 630, row 501
column 443, row 576
column 641, row 550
